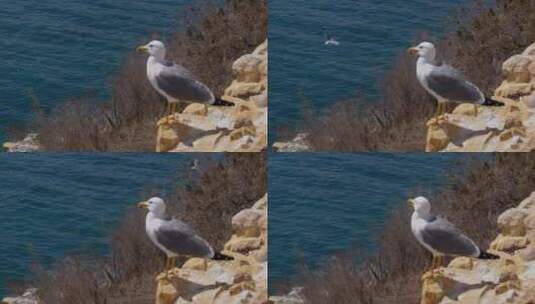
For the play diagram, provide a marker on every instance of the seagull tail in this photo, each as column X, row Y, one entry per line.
column 218, row 256
column 487, row 256
column 492, row 102
column 222, row 103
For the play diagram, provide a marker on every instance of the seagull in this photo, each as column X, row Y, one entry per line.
column 174, row 81
column 444, row 82
column 329, row 40
column 175, row 237
column 441, row 237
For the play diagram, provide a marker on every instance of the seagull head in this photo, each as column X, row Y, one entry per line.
column 424, row 50
column 154, row 48
column 420, row 205
column 155, row 205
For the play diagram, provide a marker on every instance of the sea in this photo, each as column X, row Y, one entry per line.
column 325, row 204
column 59, row 49
column 304, row 71
column 55, row 204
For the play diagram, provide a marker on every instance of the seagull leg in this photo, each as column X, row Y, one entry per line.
column 172, row 263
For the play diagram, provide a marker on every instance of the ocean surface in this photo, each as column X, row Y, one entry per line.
column 322, row 204
column 55, row 204
column 371, row 33
column 58, row 49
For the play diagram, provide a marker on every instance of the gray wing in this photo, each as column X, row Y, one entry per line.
column 177, row 82
column 180, row 238
column 448, row 83
column 443, row 237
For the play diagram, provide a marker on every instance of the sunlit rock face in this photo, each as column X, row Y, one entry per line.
column 240, row 128
column 493, row 129
column 510, row 279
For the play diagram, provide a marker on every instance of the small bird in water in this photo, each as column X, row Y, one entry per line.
column 329, row 40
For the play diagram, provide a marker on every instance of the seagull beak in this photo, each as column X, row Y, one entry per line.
column 141, row 49
column 412, row 51
column 410, row 203
column 143, row 205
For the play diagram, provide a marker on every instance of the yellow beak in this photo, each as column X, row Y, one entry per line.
column 412, row 51
column 143, row 205
column 141, row 49
column 410, row 203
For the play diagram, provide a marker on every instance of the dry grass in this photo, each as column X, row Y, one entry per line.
column 206, row 200
column 473, row 200
column 481, row 40
column 127, row 121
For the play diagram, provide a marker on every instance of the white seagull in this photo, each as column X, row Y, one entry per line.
column 175, row 237
column 441, row 237
column 174, row 81
column 329, row 40
column 444, row 82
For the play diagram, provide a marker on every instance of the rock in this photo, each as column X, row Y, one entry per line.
column 28, row 144
column 510, row 128
column 245, row 223
column 298, row 144
column 293, row 297
column 511, row 222
column 242, row 280
column 510, row 279
column 240, row 128
column 29, row 297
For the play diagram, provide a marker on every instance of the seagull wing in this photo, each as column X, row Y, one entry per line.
column 444, row 237
column 449, row 84
column 177, row 82
column 181, row 239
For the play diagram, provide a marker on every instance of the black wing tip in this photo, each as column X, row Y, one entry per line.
column 487, row 256
column 491, row 102
column 222, row 103
column 218, row 256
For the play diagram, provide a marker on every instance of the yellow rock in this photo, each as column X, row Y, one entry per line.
column 196, row 264
column 432, row 292
column 437, row 139
column 465, row 109
column 241, row 132
column 167, row 139
column 462, row 263
column 509, row 243
column 243, row 244
column 166, row 293
column 196, row 109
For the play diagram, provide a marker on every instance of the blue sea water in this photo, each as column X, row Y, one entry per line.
column 55, row 204
column 371, row 33
column 322, row 204
column 59, row 49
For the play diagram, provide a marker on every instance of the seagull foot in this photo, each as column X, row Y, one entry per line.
column 442, row 119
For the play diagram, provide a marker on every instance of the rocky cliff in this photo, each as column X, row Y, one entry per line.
column 503, row 129
column 510, row 279
column 242, row 280
column 240, row 128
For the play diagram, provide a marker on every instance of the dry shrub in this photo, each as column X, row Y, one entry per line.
column 472, row 200
column 209, row 38
column 206, row 199
column 483, row 38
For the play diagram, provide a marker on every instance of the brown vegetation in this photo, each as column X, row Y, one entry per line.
column 472, row 200
column 209, row 38
column 206, row 200
column 482, row 39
